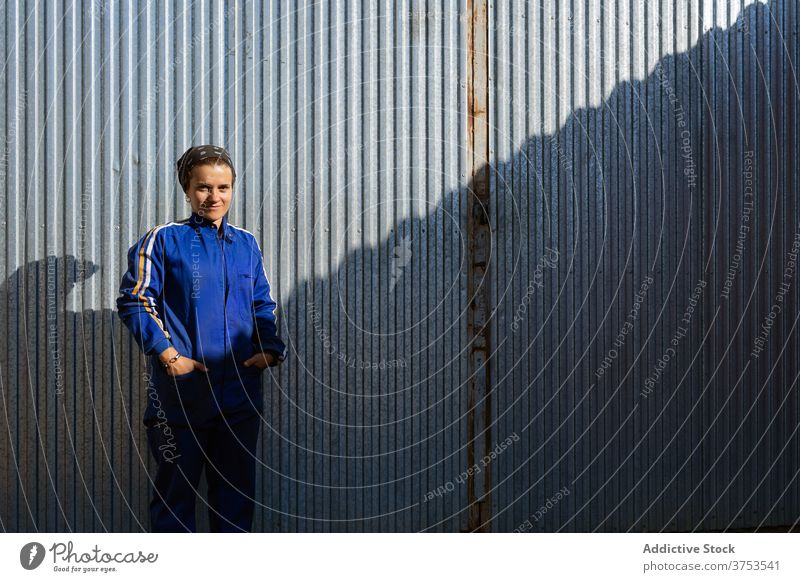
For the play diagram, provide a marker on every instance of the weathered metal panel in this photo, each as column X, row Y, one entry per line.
column 649, row 112
column 347, row 123
column 617, row 148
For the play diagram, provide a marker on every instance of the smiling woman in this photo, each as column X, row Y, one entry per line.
column 206, row 174
column 197, row 300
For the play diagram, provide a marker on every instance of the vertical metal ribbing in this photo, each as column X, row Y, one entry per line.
column 479, row 237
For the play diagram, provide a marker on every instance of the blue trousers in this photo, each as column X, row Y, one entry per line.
column 226, row 449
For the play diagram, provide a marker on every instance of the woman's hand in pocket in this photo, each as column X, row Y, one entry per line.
column 182, row 365
column 260, row 360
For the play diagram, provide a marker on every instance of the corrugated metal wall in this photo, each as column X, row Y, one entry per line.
column 644, row 195
column 354, row 126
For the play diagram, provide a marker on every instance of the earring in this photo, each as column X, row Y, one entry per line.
column 187, row 199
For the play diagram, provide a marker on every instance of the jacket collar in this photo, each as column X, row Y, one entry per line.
column 198, row 220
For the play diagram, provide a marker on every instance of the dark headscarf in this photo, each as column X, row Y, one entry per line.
column 194, row 155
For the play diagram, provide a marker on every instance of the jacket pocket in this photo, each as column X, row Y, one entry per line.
column 251, row 370
column 244, row 295
column 186, row 376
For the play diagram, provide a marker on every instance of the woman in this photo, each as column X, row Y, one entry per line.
column 197, row 300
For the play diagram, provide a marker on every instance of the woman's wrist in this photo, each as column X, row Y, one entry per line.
column 172, row 360
column 168, row 357
column 270, row 357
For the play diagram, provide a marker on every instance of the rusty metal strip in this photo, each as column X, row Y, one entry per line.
column 479, row 237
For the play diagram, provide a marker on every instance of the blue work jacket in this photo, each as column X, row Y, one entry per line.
column 206, row 293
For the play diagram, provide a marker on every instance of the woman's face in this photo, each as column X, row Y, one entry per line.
column 210, row 190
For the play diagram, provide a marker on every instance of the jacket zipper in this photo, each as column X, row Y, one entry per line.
column 221, row 245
